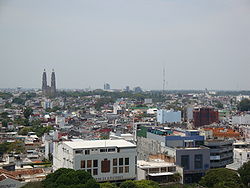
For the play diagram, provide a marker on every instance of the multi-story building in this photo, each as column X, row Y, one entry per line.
column 105, row 160
column 194, row 160
column 221, row 152
column 205, row 116
column 176, row 138
column 168, row 116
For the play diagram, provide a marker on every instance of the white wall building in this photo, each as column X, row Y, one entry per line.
column 241, row 120
column 168, row 116
column 106, row 160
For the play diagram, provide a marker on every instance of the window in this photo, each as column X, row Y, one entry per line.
column 105, row 166
column 114, row 170
column 126, row 169
column 185, row 162
column 120, row 161
column 95, row 163
column 198, row 160
column 163, row 169
column 89, row 163
column 111, row 150
column 87, row 152
column 103, row 150
column 127, row 161
column 120, row 170
column 78, row 152
column 82, row 164
column 95, row 172
column 115, row 162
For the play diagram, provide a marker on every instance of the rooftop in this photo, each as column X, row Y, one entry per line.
column 154, row 164
column 77, row 144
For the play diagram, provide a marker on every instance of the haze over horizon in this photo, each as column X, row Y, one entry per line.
column 201, row 44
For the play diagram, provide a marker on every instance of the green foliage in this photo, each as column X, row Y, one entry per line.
column 108, row 185
column 69, row 178
column 7, row 105
column 219, row 176
column 244, row 172
column 5, row 95
column 102, row 101
column 18, row 100
column 128, row 184
column 4, row 115
column 139, row 184
column 25, row 130
column 244, row 105
column 54, row 109
column 37, row 184
column 27, row 112
column 17, row 147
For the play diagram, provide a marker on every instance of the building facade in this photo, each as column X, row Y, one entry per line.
column 105, row 160
column 221, row 152
column 168, row 116
column 205, row 116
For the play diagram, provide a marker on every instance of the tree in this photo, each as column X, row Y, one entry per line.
column 146, row 184
column 108, row 185
column 27, row 112
column 128, row 184
column 219, row 176
column 244, row 105
column 18, row 100
column 244, row 172
column 69, row 178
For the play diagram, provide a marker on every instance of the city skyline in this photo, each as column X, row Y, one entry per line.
column 89, row 43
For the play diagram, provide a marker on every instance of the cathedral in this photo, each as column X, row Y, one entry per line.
column 49, row 91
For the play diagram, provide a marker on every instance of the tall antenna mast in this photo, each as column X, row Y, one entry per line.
column 163, row 86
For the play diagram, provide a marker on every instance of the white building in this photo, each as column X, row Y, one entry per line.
column 241, row 120
column 106, row 160
column 157, row 170
column 168, row 116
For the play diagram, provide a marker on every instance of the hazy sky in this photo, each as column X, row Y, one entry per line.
column 201, row 43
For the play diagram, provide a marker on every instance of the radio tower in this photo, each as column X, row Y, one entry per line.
column 163, row 86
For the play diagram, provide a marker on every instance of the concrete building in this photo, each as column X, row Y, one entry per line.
column 176, row 138
column 155, row 170
column 106, row 160
column 195, row 161
column 168, row 116
column 205, row 116
column 221, row 152
column 241, row 119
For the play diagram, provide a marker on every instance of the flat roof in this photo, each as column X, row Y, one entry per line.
column 78, row 144
column 154, row 164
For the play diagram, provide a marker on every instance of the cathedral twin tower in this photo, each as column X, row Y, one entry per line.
column 49, row 90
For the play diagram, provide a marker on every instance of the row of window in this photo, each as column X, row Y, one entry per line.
column 87, row 151
column 89, row 163
column 116, row 170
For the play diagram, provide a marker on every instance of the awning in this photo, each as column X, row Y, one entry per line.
column 162, row 174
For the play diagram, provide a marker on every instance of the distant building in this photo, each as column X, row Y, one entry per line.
column 127, row 88
column 107, row 86
column 205, row 116
column 105, row 160
column 241, row 119
column 148, row 101
column 168, row 116
column 49, row 90
column 137, row 90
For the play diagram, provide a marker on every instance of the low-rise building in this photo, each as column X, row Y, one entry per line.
column 105, row 160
